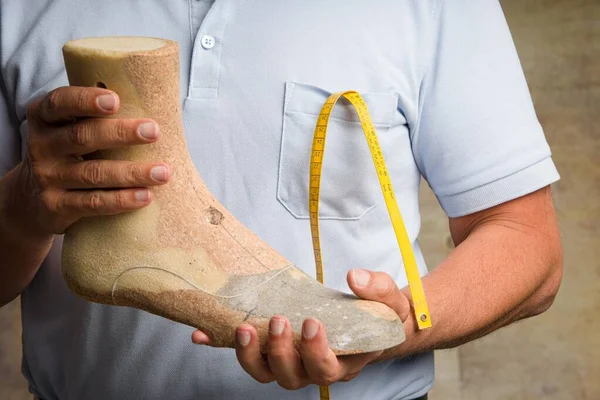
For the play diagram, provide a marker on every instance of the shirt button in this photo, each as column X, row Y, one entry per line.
column 208, row 42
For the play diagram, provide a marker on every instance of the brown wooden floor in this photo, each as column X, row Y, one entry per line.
column 555, row 356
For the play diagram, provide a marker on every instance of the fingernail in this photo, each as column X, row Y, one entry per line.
column 107, row 102
column 310, row 328
column 361, row 277
column 243, row 338
column 142, row 195
column 148, row 130
column 276, row 326
column 159, row 173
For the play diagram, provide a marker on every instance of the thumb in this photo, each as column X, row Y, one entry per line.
column 380, row 287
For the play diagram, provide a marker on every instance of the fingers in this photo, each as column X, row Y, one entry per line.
column 313, row 363
column 199, row 337
column 283, row 358
column 319, row 361
column 77, row 204
column 101, row 174
column 89, row 135
column 321, row 364
column 56, row 141
column 247, row 349
column 380, row 287
column 65, row 103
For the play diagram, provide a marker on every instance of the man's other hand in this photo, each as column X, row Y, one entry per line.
column 313, row 362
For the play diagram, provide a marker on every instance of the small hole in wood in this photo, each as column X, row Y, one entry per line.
column 101, row 85
column 214, row 216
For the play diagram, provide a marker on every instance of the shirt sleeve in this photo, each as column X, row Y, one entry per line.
column 477, row 140
column 10, row 139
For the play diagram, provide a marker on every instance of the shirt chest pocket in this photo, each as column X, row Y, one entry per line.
column 349, row 184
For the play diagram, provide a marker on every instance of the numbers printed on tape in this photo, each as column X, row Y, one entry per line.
column 324, row 393
column 316, row 164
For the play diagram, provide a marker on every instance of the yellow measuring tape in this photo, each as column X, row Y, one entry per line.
column 316, row 165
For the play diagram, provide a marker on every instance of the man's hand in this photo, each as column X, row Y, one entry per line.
column 54, row 185
column 313, row 362
column 59, row 186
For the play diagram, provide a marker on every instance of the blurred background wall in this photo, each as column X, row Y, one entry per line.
column 557, row 355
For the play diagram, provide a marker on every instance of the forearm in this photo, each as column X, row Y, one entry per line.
column 23, row 247
column 498, row 275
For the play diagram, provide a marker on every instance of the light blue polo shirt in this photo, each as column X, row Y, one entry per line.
column 445, row 89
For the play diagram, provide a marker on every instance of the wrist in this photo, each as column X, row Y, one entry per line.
column 16, row 209
column 415, row 339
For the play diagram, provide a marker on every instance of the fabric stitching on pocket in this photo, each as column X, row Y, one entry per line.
column 372, row 97
column 376, row 124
